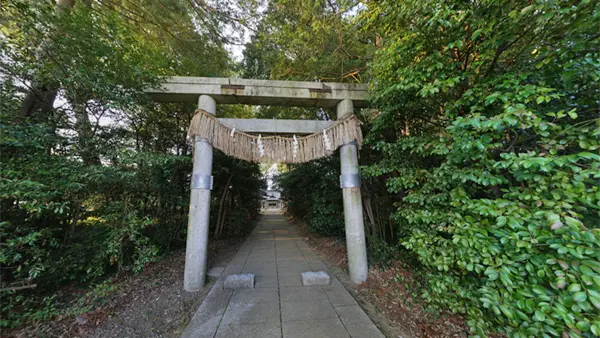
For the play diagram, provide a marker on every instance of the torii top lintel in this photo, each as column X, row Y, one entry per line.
column 260, row 92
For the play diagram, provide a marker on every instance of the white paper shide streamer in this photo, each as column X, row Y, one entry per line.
column 261, row 147
column 295, row 146
column 326, row 141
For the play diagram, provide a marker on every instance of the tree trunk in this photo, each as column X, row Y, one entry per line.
column 71, row 230
column 39, row 101
column 221, row 203
column 221, row 213
column 227, row 209
column 87, row 150
column 369, row 212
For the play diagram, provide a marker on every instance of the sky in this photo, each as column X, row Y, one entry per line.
column 250, row 12
column 236, row 51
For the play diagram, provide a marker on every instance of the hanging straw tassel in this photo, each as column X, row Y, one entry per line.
column 274, row 148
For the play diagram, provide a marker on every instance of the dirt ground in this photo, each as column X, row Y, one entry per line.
column 151, row 304
column 387, row 296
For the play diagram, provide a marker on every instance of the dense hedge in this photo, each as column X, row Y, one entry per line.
column 65, row 222
column 313, row 193
column 94, row 178
column 490, row 134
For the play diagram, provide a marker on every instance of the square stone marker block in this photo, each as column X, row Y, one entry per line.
column 216, row 271
column 315, row 278
column 331, row 328
column 239, row 281
column 307, row 310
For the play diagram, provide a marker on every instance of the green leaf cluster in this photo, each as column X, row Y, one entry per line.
column 489, row 133
column 97, row 181
column 320, row 204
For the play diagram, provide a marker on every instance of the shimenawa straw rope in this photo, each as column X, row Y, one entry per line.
column 296, row 149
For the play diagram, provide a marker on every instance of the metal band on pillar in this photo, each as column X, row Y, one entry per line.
column 349, row 181
column 202, row 182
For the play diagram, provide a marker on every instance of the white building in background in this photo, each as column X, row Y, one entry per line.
column 272, row 200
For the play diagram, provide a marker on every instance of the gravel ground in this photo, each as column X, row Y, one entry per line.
column 157, row 305
column 151, row 304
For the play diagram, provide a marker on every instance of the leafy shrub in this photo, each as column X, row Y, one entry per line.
column 383, row 253
column 313, row 193
column 94, row 177
column 489, row 128
column 325, row 217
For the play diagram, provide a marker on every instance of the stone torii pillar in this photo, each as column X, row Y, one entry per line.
column 201, row 185
column 353, row 209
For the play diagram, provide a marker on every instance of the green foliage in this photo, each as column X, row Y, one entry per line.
column 242, row 184
column 313, row 194
column 490, row 135
column 97, row 183
column 309, row 40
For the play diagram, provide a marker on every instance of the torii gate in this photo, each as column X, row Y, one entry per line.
column 208, row 92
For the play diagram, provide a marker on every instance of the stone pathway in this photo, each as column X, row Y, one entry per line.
column 278, row 305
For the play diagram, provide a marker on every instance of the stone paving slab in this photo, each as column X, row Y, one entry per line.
column 293, row 269
column 260, row 330
column 215, row 272
column 250, row 313
column 299, row 293
column 266, row 282
column 331, row 328
column 357, row 322
column 339, row 296
column 307, row 310
column 278, row 305
column 262, row 295
column 233, row 269
column 286, row 281
column 206, row 320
